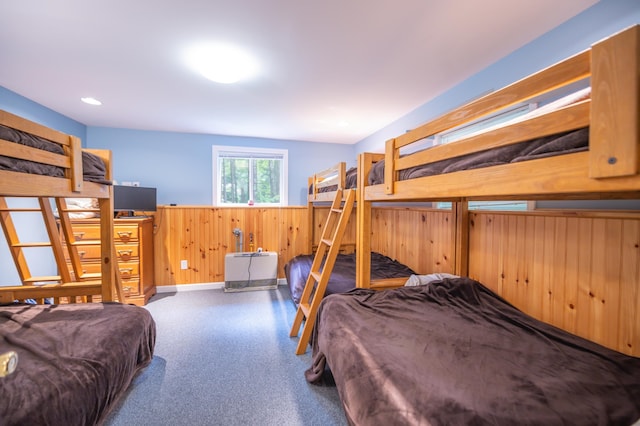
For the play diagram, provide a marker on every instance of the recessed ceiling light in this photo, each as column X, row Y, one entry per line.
column 222, row 63
column 91, row 101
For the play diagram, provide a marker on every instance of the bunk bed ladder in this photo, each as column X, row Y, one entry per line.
column 16, row 247
column 326, row 254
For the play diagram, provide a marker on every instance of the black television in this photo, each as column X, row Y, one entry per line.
column 134, row 199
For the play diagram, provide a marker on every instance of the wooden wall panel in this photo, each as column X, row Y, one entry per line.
column 421, row 238
column 578, row 271
column 320, row 214
column 203, row 236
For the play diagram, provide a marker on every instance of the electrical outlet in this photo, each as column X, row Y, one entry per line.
column 183, row 264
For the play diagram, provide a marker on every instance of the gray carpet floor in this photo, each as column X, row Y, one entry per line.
column 226, row 359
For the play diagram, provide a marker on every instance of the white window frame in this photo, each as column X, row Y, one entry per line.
column 281, row 154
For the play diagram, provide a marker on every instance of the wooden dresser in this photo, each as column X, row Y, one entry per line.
column 134, row 248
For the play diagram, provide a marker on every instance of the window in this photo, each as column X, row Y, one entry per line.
column 485, row 124
column 249, row 176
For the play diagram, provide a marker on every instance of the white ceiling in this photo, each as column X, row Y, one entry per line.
column 331, row 70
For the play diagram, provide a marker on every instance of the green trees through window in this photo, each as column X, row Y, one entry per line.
column 249, row 176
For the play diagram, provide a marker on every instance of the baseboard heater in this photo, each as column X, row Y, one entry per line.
column 245, row 271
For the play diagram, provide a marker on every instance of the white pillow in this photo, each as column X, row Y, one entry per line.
column 81, row 204
column 415, row 280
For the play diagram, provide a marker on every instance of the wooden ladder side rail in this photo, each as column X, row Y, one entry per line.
column 13, row 241
column 64, row 278
column 75, row 258
column 318, row 279
column 54, row 237
column 66, row 228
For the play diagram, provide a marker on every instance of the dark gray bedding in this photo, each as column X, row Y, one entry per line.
column 350, row 181
column 454, row 353
column 548, row 146
column 94, row 169
column 343, row 276
column 74, row 361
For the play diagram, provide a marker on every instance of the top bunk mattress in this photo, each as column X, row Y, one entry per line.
column 94, row 168
column 351, row 180
column 564, row 143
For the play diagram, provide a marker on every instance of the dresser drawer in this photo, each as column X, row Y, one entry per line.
column 131, row 287
column 121, row 233
column 124, row 252
column 127, row 269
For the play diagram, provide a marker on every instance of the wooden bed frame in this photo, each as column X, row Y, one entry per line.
column 45, row 188
column 609, row 169
column 315, row 197
column 333, row 176
column 321, row 180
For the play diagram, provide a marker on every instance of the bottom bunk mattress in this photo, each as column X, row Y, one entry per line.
column 453, row 352
column 343, row 276
column 74, row 360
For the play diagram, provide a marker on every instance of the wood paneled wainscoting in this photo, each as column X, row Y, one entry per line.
column 421, row 238
column 579, row 271
column 203, row 235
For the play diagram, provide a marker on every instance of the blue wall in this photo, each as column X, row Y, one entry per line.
column 19, row 105
column 601, row 20
column 180, row 165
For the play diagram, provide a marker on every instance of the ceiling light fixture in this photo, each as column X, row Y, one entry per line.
column 91, row 101
column 222, row 63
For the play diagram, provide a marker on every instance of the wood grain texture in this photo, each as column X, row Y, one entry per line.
column 203, row 236
column 578, row 272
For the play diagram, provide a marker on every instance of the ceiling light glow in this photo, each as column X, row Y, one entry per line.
column 222, row 63
column 91, row 101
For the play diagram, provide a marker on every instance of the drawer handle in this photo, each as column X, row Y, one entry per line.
column 78, row 236
column 81, row 254
column 127, row 289
column 125, row 254
column 126, row 271
column 124, row 234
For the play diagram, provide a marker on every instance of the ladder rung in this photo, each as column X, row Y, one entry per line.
column 43, row 279
column 327, row 242
column 305, row 308
column 42, row 244
column 85, row 243
column 336, row 210
column 81, row 210
column 90, row 276
column 20, row 209
column 316, row 275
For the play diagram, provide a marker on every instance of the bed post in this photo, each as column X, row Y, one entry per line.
column 614, row 139
column 460, row 236
column 391, row 155
column 310, row 221
column 363, row 225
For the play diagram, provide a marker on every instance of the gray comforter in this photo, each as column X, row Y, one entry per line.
column 548, row 146
column 454, row 353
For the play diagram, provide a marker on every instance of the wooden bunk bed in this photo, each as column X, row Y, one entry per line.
column 63, row 361
column 411, row 354
column 323, row 187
